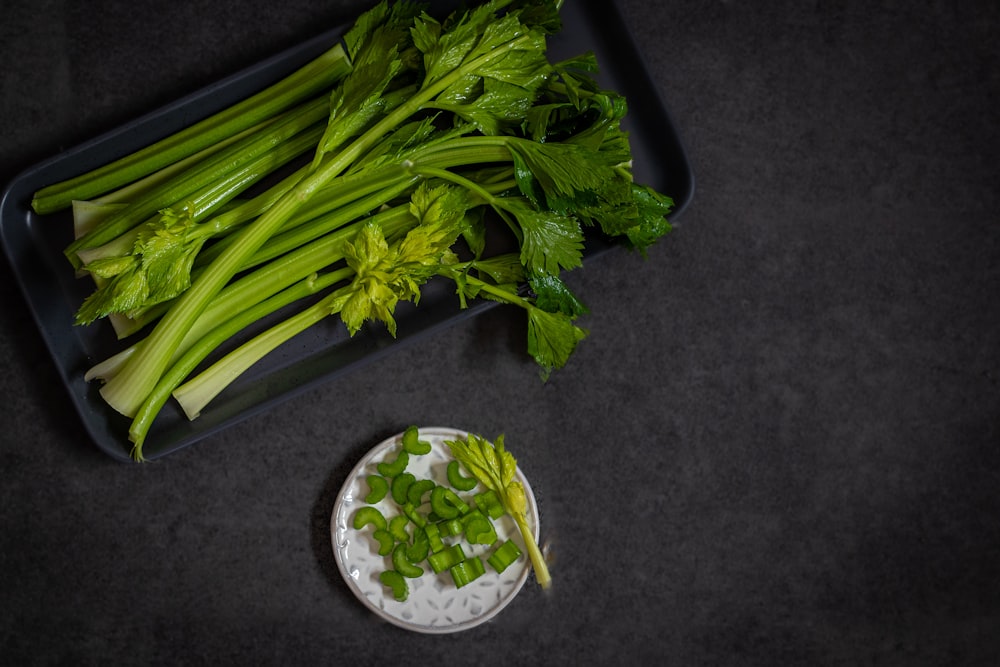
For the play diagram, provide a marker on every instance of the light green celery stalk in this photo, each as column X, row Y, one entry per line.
column 345, row 204
column 381, row 186
column 155, row 263
column 87, row 212
column 214, row 168
column 486, row 47
column 196, row 393
column 205, row 345
column 262, row 283
column 318, row 75
column 223, row 221
column 347, row 196
column 384, row 273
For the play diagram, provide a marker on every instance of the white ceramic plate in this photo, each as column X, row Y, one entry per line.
column 435, row 604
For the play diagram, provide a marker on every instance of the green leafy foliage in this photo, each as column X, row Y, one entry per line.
column 361, row 100
column 567, row 176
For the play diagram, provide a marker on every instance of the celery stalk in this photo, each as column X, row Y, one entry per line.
column 319, row 74
column 214, row 168
column 210, row 341
column 196, row 393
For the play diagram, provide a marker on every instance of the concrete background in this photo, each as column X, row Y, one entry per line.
column 780, row 444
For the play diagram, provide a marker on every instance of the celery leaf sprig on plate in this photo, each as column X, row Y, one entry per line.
column 495, row 468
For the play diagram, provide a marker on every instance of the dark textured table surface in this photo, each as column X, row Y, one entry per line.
column 780, row 444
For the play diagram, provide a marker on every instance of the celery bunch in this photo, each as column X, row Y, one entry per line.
column 369, row 183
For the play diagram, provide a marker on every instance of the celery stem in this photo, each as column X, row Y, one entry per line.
column 210, row 341
column 319, row 74
column 538, row 563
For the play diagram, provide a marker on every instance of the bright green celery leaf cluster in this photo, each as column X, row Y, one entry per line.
column 158, row 268
column 381, row 52
column 387, row 274
column 439, row 126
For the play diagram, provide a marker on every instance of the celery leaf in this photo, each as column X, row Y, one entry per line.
column 157, row 269
column 495, row 468
column 552, row 338
column 551, row 242
column 389, row 273
column 554, row 296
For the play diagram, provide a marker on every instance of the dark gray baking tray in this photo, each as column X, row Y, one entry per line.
column 34, row 244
